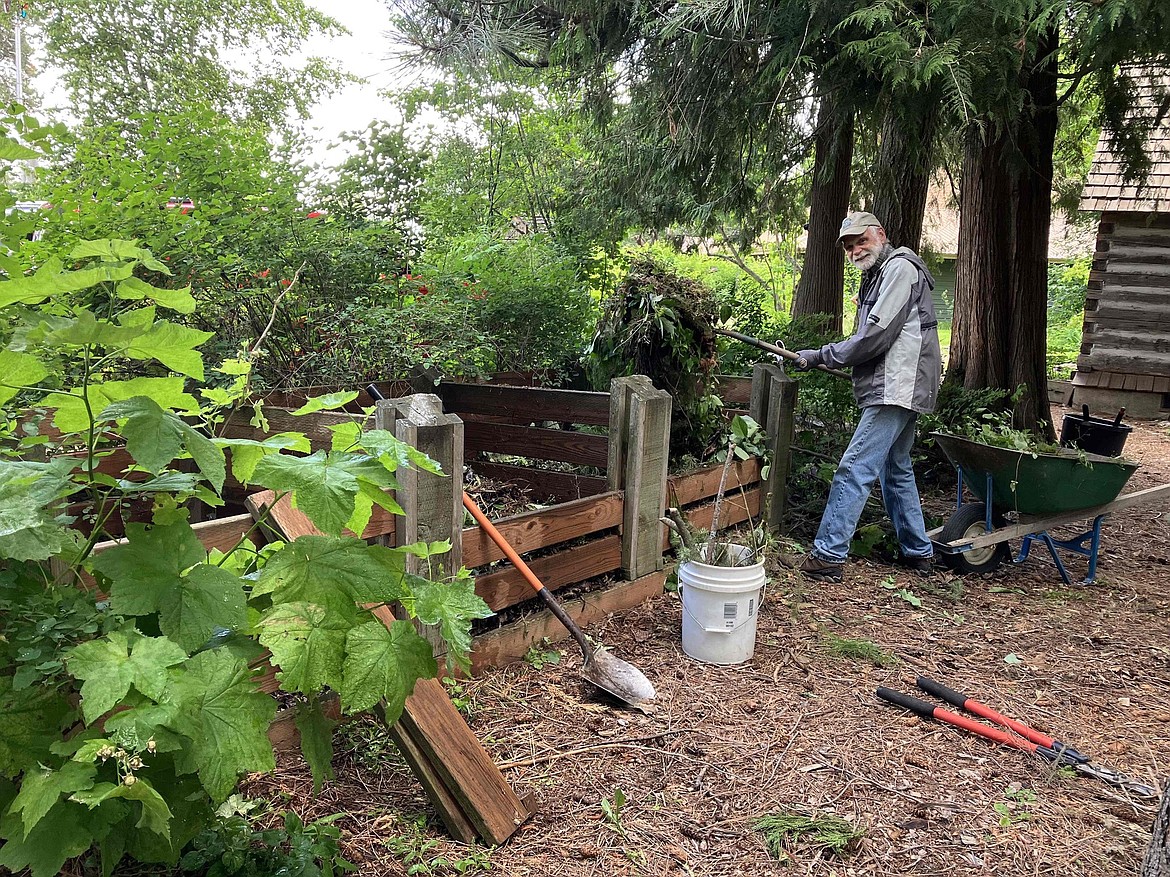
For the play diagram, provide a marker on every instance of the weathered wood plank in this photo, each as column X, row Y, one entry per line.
column 703, row 483
column 647, row 448
column 294, row 523
column 561, row 445
column 1124, row 361
column 734, row 390
column 737, row 508
column 1132, row 339
column 526, row 404
column 510, row 644
column 543, row 485
column 508, row 587
column 544, row 527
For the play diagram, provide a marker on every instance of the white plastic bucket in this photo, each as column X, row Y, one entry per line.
column 720, row 605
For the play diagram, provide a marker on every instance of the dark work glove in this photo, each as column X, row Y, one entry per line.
column 808, row 359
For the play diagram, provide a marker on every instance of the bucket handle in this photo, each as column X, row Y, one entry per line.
column 705, row 629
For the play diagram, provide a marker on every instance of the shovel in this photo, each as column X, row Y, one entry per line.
column 609, row 673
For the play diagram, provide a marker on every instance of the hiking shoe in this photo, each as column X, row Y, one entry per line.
column 919, row 566
column 812, row 567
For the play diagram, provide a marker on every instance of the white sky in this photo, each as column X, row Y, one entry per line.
column 364, row 53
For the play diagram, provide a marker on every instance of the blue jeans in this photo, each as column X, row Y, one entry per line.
column 879, row 450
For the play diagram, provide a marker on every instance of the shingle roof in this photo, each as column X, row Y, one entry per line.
column 1106, row 188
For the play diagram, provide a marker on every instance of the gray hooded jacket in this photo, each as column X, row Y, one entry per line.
column 895, row 354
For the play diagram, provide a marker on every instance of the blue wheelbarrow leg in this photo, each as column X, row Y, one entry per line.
column 1075, row 545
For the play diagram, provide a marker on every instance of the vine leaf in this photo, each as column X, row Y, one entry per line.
column 316, row 731
column 333, row 571
column 109, row 666
column 226, row 719
column 31, row 720
column 180, row 300
column 160, row 570
column 169, row 343
column 18, row 370
column 154, row 437
column 394, row 453
column 452, row 606
column 246, row 453
column 156, row 815
column 324, row 484
column 383, row 663
column 28, row 528
column 58, row 837
column 327, row 402
column 42, row 788
column 73, row 415
column 307, row 642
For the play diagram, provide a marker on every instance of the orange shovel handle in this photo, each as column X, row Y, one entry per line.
column 497, row 537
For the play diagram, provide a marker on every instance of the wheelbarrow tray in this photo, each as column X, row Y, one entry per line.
column 1039, row 484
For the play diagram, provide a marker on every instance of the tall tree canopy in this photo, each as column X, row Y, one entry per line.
column 240, row 57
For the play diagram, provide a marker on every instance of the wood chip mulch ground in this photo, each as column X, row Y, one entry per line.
column 798, row 730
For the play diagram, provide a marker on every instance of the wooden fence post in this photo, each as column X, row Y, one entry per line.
column 639, row 451
column 773, row 407
column 433, row 503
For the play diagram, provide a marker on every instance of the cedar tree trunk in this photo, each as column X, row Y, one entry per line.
column 821, row 289
column 1028, row 284
column 902, row 175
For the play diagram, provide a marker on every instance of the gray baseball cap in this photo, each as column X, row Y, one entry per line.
column 857, row 223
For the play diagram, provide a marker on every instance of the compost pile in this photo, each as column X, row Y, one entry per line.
column 658, row 323
column 796, row 734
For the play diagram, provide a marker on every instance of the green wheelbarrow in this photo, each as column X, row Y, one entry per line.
column 1040, row 491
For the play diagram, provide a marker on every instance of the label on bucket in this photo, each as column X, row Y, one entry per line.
column 730, row 612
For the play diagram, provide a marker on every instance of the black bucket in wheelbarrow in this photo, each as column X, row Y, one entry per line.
column 1094, row 435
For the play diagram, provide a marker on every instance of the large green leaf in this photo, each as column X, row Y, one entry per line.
column 155, row 436
column 29, row 494
column 109, row 666
column 179, row 300
column 33, row 288
column 160, row 570
column 18, row 370
column 383, row 664
column 13, row 150
column 61, row 835
column 171, row 344
column 452, row 606
column 333, row 571
column 156, row 815
column 85, row 329
column 307, row 642
column 226, row 719
column 246, row 453
column 394, row 453
column 328, row 402
column 72, row 415
column 325, row 485
column 316, row 730
column 31, row 720
column 114, row 250
column 42, row 787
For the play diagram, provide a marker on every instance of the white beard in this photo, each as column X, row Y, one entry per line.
column 866, row 260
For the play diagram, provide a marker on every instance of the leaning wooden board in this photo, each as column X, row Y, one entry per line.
column 460, row 779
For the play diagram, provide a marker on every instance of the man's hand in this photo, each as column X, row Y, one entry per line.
column 807, row 359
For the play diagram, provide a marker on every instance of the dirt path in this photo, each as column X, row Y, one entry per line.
column 798, row 729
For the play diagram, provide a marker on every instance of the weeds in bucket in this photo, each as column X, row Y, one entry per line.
column 783, row 832
column 858, row 650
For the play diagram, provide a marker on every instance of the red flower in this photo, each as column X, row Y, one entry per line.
column 422, row 290
column 285, row 281
column 264, row 273
column 314, row 214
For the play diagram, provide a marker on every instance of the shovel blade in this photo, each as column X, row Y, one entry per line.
column 620, row 678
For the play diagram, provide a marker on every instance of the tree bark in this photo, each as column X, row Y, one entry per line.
column 979, row 329
column 1028, row 286
column 902, row 174
column 1157, row 860
column 821, row 289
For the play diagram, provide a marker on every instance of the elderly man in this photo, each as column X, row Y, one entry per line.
column 897, row 367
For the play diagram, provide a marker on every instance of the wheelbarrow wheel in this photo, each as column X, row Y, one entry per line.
column 969, row 521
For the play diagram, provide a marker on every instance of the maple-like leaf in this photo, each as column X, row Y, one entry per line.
column 226, row 719
column 29, row 494
column 451, row 605
column 110, row 665
column 156, row 815
column 115, row 250
column 327, row 402
column 332, row 571
column 180, row 300
column 155, row 436
column 383, row 663
column 307, row 642
column 42, row 787
column 395, row 453
column 159, row 570
column 324, row 484
column 61, row 835
column 169, row 343
column 246, row 453
column 31, row 721
column 72, row 413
